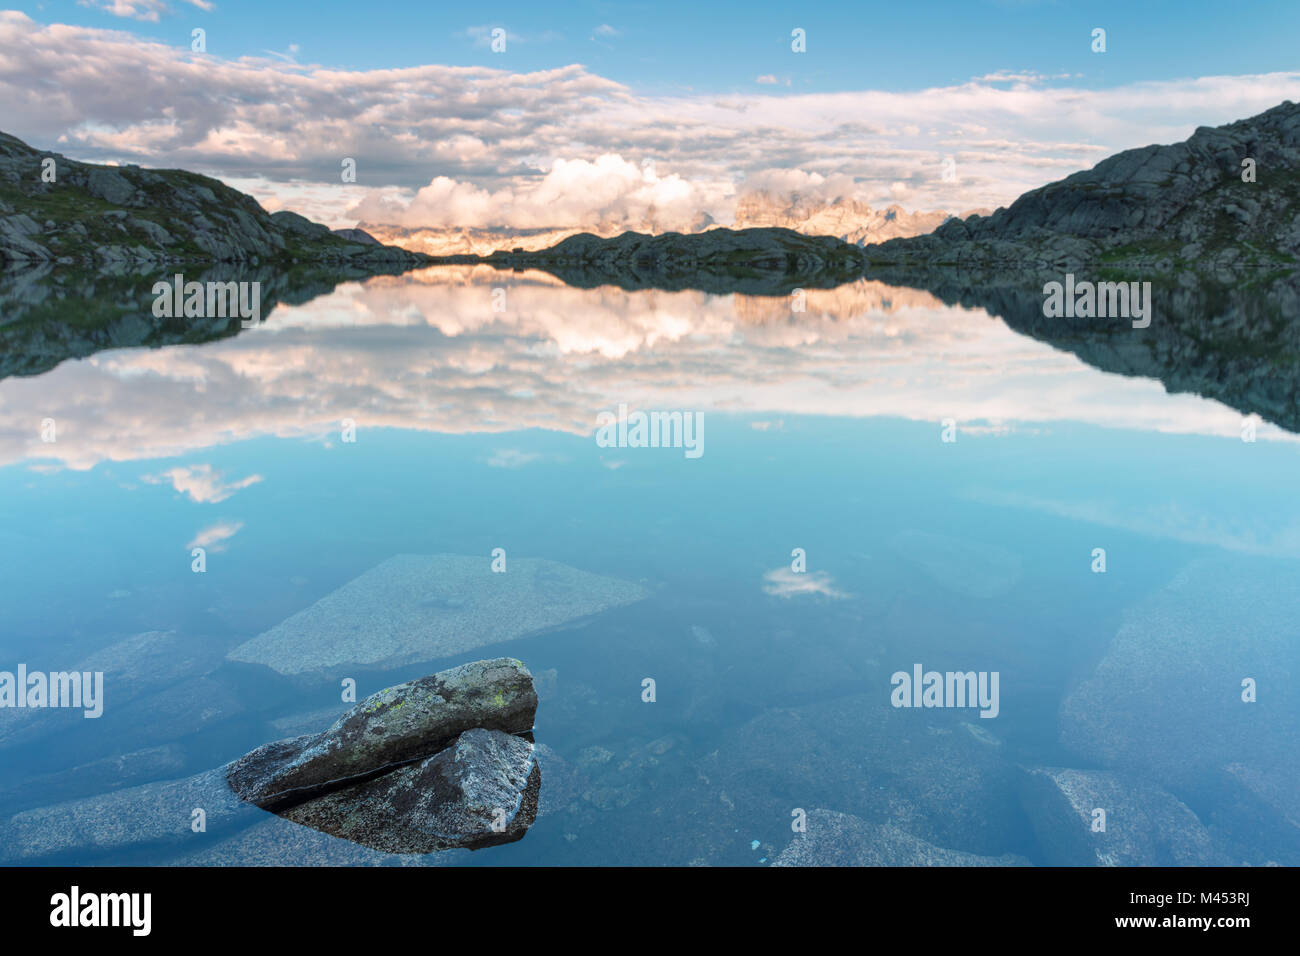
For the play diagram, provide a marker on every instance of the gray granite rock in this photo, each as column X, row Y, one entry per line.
column 480, row 791
column 397, row 725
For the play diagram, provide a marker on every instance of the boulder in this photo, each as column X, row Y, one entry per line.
column 480, row 791
column 395, row 726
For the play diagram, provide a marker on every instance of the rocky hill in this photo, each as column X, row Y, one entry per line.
column 54, row 209
column 1228, row 196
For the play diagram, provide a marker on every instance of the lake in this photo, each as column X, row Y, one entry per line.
column 885, row 485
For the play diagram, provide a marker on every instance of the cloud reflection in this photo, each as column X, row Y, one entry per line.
column 426, row 351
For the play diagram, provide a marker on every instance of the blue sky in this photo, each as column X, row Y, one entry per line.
column 724, row 46
column 630, row 116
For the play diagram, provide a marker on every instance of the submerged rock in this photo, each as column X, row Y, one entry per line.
column 133, row 667
column 414, row 608
column 156, row 814
column 839, row 839
column 1144, row 825
column 1167, row 700
column 916, row 769
column 397, row 725
column 96, row 776
column 970, row 568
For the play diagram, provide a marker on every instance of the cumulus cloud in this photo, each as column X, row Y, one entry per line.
column 609, row 191
column 202, row 483
column 482, row 141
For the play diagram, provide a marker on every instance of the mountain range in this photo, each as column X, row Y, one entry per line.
column 843, row 218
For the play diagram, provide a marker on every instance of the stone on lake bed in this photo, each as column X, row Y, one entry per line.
column 416, row 608
column 1169, row 698
column 970, row 568
column 840, row 839
column 155, row 814
column 1098, row 818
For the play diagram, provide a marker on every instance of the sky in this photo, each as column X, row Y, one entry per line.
column 612, row 112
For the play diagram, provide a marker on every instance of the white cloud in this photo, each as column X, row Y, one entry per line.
column 609, row 191
column 495, row 138
column 147, row 10
column 150, row 11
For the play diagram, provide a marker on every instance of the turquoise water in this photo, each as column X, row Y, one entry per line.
column 823, row 431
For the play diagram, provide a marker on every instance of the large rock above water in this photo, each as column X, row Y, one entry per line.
column 395, row 726
column 416, row 608
column 480, row 791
